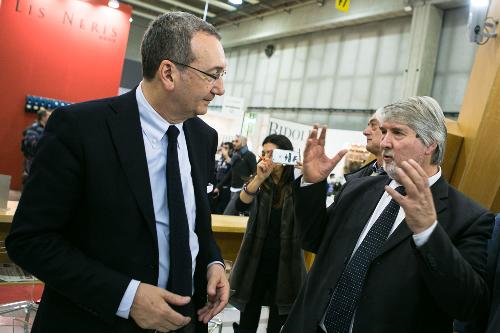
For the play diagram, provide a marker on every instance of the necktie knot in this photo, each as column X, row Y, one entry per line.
column 401, row 190
column 172, row 133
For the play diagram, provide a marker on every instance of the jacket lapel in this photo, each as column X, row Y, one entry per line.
column 126, row 133
column 195, row 143
column 439, row 193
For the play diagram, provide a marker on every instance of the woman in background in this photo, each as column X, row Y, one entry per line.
column 269, row 269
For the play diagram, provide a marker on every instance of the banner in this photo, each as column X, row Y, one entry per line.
column 336, row 139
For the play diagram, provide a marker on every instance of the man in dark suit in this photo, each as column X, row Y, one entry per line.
column 373, row 137
column 115, row 218
column 389, row 261
column 494, row 279
column 489, row 320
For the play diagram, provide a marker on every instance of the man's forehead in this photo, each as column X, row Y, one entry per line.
column 208, row 51
column 373, row 120
column 394, row 124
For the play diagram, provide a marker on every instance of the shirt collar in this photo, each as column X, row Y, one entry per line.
column 432, row 179
column 153, row 125
column 376, row 169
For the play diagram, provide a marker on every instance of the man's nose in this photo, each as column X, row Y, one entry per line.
column 218, row 87
column 385, row 142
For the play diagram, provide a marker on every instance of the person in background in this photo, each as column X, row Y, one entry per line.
column 403, row 252
column 31, row 137
column 489, row 320
column 270, row 268
column 373, row 137
column 115, row 218
column 243, row 164
column 222, row 167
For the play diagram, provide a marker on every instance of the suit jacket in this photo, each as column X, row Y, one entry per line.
column 364, row 171
column 489, row 320
column 85, row 223
column 407, row 289
column 494, row 280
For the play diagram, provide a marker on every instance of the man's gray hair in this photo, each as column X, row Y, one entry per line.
column 423, row 115
column 243, row 139
column 169, row 37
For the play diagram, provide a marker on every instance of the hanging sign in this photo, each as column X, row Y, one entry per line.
column 342, row 5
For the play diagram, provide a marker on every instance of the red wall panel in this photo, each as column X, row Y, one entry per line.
column 71, row 50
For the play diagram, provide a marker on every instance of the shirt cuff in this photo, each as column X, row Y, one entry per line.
column 216, row 262
column 421, row 238
column 128, row 299
column 304, row 183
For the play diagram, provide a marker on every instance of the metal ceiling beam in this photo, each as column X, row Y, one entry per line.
column 188, row 7
column 145, row 5
column 142, row 14
column 220, row 4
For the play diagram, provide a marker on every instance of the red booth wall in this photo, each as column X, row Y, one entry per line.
column 70, row 50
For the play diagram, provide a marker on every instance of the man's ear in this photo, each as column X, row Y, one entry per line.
column 431, row 149
column 167, row 74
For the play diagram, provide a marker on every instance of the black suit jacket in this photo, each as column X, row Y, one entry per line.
column 489, row 321
column 85, row 223
column 364, row 171
column 494, row 280
column 406, row 289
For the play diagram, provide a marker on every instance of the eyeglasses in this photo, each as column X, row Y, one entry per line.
column 211, row 77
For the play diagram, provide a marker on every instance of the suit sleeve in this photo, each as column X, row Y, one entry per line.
column 454, row 271
column 46, row 219
column 311, row 213
column 214, row 252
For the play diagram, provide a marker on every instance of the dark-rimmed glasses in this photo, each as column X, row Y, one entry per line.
column 212, row 77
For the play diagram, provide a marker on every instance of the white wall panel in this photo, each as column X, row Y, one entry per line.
column 294, row 92
column 281, row 94
column 300, row 59
column 342, row 93
column 367, row 53
column 349, row 55
column 331, row 56
column 309, row 94
column 360, row 93
column 454, row 63
column 325, row 91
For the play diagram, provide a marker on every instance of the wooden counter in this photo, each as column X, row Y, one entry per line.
column 228, row 231
column 7, row 215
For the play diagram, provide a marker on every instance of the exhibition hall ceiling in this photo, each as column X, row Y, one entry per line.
column 220, row 12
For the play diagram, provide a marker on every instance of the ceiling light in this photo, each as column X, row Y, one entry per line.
column 130, row 20
column 236, row 2
column 479, row 3
column 113, row 4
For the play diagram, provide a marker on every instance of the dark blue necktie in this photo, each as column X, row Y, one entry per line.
column 346, row 295
column 180, row 274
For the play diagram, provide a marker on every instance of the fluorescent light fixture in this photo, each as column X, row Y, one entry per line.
column 113, row 4
column 479, row 3
column 236, row 2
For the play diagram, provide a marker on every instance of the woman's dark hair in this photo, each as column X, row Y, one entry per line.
column 287, row 176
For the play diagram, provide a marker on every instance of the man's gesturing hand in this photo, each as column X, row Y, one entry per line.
column 317, row 166
column 217, row 293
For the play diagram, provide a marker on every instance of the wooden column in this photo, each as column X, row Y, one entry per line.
column 477, row 171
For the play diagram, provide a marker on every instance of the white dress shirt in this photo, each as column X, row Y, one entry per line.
column 154, row 129
column 419, row 238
